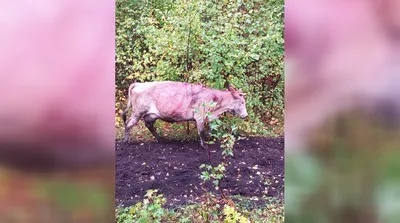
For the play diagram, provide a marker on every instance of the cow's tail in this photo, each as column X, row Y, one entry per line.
column 129, row 102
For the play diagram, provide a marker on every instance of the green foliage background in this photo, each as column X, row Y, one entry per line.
column 207, row 41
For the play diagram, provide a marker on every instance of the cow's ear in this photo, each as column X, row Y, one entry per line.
column 238, row 95
column 230, row 88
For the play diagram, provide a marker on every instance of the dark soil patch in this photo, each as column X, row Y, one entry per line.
column 173, row 168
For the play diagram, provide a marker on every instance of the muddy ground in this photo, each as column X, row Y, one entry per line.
column 173, row 168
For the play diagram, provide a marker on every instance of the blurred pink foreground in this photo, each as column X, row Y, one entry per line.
column 339, row 55
column 57, row 79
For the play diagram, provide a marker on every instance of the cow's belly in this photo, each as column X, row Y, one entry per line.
column 175, row 116
column 171, row 120
column 174, row 108
column 169, row 115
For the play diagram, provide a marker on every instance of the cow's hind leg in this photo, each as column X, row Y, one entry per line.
column 149, row 122
column 129, row 124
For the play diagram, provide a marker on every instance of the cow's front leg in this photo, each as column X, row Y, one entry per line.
column 208, row 132
column 201, row 131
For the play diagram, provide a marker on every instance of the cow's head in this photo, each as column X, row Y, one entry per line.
column 238, row 107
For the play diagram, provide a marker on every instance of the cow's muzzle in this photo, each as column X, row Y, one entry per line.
column 243, row 116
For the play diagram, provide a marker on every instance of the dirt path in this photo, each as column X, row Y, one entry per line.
column 173, row 168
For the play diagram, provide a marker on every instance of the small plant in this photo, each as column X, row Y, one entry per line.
column 216, row 174
column 223, row 131
column 233, row 216
column 150, row 210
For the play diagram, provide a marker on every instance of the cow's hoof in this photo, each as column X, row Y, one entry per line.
column 161, row 140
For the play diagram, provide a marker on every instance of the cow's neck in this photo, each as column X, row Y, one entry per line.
column 223, row 103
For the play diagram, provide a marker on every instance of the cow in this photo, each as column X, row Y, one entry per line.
column 172, row 101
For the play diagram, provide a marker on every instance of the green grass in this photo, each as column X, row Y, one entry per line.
column 209, row 209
